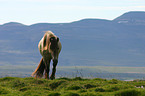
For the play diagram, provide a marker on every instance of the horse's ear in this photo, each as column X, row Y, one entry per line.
column 57, row 39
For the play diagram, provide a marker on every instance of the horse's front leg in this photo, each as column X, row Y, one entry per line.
column 53, row 69
column 47, row 68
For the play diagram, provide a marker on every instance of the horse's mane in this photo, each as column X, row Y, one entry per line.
column 51, row 34
column 47, row 36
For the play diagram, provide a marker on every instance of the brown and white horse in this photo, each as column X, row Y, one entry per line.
column 49, row 47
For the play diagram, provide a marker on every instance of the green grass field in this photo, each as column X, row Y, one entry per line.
column 14, row 86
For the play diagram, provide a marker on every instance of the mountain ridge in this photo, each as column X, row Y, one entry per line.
column 133, row 14
column 132, row 18
column 87, row 42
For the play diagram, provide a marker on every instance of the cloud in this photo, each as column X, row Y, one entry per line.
column 38, row 0
column 49, row 0
column 93, row 8
column 134, row 8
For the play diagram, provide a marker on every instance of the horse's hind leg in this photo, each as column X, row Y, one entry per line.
column 47, row 68
column 53, row 69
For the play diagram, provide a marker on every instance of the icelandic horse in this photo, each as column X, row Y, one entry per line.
column 49, row 47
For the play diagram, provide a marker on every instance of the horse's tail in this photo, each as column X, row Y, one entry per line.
column 39, row 70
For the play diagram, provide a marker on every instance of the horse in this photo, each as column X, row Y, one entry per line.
column 49, row 47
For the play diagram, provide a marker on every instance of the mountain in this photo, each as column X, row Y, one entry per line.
column 12, row 24
column 132, row 18
column 88, row 42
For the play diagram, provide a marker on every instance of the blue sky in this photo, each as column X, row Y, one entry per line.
column 60, row 11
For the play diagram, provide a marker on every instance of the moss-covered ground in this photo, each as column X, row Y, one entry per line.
column 14, row 86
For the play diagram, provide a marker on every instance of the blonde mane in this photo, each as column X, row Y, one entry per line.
column 50, row 33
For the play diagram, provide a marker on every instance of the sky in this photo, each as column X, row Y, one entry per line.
column 63, row 11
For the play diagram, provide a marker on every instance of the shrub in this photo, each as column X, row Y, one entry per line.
column 74, row 87
column 142, row 94
column 99, row 90
column 113, row 81
column 3, row 91
column 28, row 93
column 7, row 78
column 77, row 78
column 46, row 88
column 55, row 84
column 116, row 87
column 128, row 92
column 32, row 93
column 99, row 79
column 24, row 89
column 90, row 94
column 64, row 78
column 87, row 86
column 112, row 89
column 54, row 94
column 83, row 90
column 71, row 94
column 38, row 81
column 17, row 84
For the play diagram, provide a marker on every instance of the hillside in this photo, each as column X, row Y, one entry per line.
column 88, row 42
column 12, row 86
column 132, row 18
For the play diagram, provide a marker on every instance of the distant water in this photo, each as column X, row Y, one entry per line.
column 120, row 76
column 70, row 74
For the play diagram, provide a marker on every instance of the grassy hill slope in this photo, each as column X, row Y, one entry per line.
column 13, row 86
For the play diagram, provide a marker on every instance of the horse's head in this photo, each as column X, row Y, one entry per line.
column 54, row 48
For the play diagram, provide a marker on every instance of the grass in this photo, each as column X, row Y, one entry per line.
column 14, row 86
